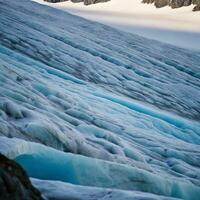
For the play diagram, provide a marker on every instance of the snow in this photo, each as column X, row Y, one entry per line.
column 179, row 27
column 96, row 107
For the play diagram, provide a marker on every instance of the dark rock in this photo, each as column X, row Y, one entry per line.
column 177, row 3
column 86, row 2
column 174, row 3
column 187, row 3
column 14, row 183
column 161, row 3
column 148, row 1
column 196, row 8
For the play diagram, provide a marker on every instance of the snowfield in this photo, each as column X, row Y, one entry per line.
column 179, row 27
column 91, row 112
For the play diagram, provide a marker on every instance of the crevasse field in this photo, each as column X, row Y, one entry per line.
column 93, row 113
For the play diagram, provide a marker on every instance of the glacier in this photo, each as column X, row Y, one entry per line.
column 94, row 111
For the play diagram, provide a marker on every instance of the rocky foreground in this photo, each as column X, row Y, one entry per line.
column 14, row 183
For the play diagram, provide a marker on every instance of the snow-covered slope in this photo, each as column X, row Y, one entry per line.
column 175, row 26
column 110, row 109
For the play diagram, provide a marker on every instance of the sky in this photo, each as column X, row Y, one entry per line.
column 180, row 27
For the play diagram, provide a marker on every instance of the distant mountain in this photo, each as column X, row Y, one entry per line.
column 157, row 3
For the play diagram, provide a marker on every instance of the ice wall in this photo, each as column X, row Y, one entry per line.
column 50, row 164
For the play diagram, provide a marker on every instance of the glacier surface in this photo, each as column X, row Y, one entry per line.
column 95, row 111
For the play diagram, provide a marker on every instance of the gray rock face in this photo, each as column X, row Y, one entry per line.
column 157, row 3
column 196, row 8
column 14, row 183
column 174, row 3
column 161, row 3
column 86, row 2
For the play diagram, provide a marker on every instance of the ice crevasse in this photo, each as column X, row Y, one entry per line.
column 96, row 111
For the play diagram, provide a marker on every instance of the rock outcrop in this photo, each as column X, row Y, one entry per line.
column 175, row 3
column 157, row 3
column 86, row 2
column 14, row 183
column 197, row 7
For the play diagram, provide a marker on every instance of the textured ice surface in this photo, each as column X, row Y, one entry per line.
column 66, row 191
column 49, row 164
column 142, row 69
column 122, row 106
